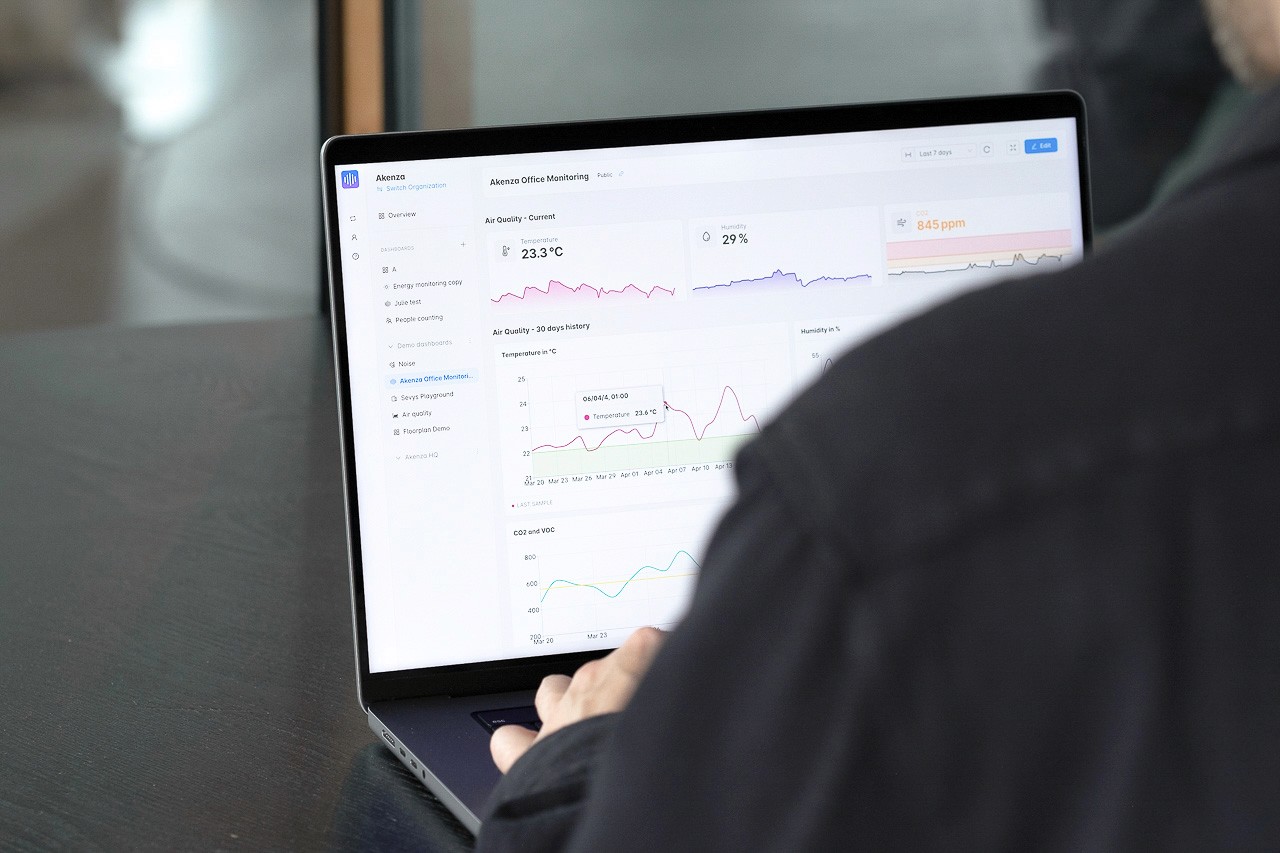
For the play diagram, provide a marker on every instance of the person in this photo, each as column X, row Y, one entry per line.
column 1007, row 577
column 1150, row 74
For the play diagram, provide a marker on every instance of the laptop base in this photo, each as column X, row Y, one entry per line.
column 439, row 741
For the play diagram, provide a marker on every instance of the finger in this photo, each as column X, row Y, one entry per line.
column 637, row 652
column 606, row 685
column 549, row 694
column 508, row 744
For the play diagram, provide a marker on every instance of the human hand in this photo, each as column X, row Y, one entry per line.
column 598, row 687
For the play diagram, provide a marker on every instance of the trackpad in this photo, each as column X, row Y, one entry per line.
column 526, row 716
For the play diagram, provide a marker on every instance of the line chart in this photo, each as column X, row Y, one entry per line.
column 558, row 292
column 984, row 252
column 578, row 578
column 572, row 267
column 779, row 281
column 698, row 434
column 646, row 449
column 777, row 255
column 598, row 586
column 1018, row 259
column 820, row 343
column 608, row 405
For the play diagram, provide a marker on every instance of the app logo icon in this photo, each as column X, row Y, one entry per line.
column 350, row 179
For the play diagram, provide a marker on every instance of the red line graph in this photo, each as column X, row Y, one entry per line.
column 697, row 434
column 559, row 290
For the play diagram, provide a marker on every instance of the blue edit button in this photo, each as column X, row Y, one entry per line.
column 1041, row 146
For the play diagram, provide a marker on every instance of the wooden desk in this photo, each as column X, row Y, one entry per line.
column 177, row 667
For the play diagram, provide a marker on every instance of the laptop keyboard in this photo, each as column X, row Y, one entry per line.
column 526, row 716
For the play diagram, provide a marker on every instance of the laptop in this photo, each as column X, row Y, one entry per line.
column 551, row 340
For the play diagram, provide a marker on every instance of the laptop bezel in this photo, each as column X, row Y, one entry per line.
column 521, row 673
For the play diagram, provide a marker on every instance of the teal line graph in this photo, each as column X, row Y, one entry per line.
column 625, row 583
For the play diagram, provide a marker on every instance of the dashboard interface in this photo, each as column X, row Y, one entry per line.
column 553, row 357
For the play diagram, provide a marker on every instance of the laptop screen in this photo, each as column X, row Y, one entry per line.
column 554, row 356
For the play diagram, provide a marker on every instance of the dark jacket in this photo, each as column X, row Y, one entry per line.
column 1006, row 578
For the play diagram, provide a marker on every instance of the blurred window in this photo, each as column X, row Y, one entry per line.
column 477, row 62
column 159, row 161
